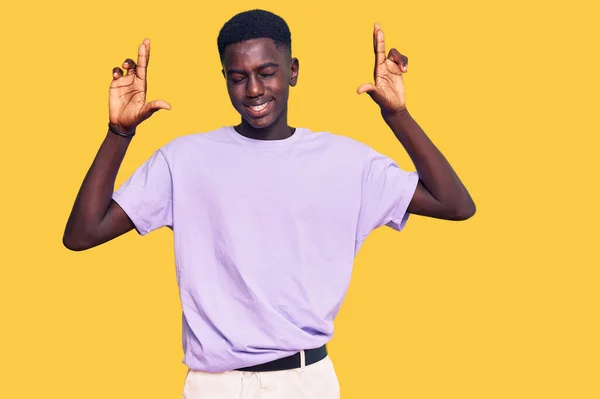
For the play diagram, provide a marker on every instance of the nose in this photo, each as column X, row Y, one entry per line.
column 254, row 87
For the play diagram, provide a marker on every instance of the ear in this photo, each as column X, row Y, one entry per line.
column 294, row 69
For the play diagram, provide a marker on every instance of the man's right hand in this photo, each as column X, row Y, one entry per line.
column 127, row 96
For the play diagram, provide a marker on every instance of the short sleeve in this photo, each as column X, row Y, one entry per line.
column 385, row 194
column 146, row 197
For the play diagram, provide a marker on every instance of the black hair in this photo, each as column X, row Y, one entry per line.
column 254, row 24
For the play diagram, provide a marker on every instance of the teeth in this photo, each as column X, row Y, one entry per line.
column 260, row 107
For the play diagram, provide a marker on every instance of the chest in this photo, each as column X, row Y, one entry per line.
column 271, row 186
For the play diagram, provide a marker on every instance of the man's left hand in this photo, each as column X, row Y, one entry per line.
column 388, row 90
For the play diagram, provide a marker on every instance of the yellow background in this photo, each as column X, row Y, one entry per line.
column 504, row 305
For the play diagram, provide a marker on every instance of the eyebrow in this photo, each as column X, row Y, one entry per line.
column 261, row 66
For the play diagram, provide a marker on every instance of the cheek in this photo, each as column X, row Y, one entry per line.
column 281, row 88
column 235, row 94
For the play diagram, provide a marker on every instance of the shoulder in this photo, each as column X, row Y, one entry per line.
column 350, row 151
column 336, row 141
column 193, row 143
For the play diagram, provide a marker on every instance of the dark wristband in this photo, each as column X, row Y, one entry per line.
column 115, row 131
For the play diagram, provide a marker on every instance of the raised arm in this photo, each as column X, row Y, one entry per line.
column 95, row 218
column 440, row 193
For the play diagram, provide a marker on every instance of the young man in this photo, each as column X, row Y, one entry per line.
column 267, row 218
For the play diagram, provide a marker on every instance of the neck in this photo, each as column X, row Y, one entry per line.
column 279, row 130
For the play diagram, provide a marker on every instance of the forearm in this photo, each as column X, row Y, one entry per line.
column 435, row 172
column 95, row 195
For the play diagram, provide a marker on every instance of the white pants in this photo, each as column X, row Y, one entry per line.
column 315, row 381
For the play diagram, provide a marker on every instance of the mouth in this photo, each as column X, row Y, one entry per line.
column 259, row 110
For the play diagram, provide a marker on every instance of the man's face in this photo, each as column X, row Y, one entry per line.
column 258, row 79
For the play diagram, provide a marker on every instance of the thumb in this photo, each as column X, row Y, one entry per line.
column 366, row 87
column 150, row 108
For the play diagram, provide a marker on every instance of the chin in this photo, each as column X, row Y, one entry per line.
column 260, row 123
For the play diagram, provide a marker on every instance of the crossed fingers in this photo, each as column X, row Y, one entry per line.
column 379, row 48
column 131, row 66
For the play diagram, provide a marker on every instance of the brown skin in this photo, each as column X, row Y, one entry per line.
column 440, row 193
column 95, row 217
column 256, row 71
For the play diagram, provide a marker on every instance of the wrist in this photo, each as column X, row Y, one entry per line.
column 396, row 113
column 121, row 131
column 396, row 116
column 116, row 142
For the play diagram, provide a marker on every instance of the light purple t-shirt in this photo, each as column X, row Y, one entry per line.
column 265, row 234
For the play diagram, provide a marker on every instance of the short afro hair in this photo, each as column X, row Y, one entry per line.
column 254, row 24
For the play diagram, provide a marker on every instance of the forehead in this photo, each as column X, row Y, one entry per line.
column 252, row 52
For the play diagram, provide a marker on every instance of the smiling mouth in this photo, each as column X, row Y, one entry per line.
column 259, row 110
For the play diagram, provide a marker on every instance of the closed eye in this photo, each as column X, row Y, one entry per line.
column 237, row 79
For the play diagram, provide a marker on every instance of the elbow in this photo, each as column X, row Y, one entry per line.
column 464, row 212
column 73, row 243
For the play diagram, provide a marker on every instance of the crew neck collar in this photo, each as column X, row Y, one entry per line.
column 265, row 143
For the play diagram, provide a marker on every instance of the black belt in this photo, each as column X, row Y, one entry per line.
column 290, row 362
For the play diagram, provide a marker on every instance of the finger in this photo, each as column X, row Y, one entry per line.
column 372, row 91
column 365, row 88
column 117, row 73
column 143, row 58
column 129, row 66
column 150, row 108
column 378, row 45
column 399, row 59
